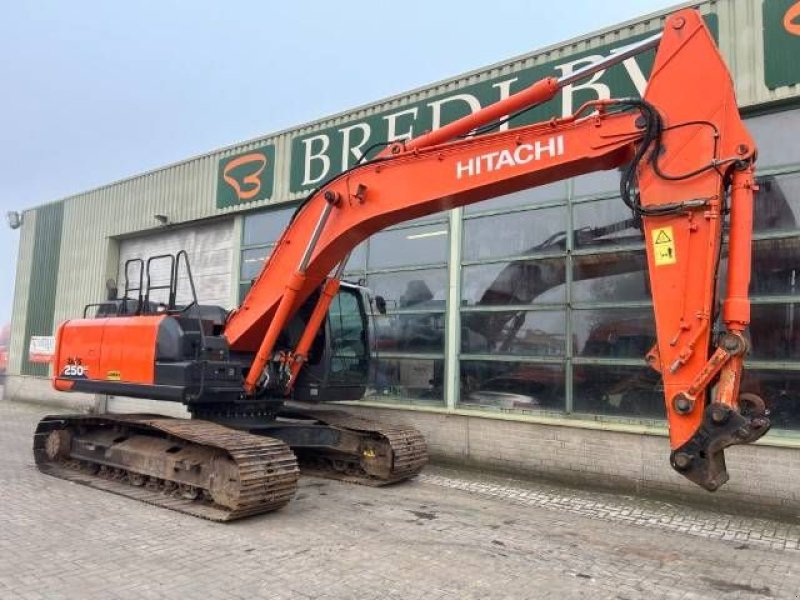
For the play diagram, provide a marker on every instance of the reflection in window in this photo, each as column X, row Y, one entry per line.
column 775, row 332
column 439, row 216
column 529, row 197
column 425, row 289
column 776, row 268
column 611, row 277
column 512, row 385
column 407, row 379
column 527, row 333
column 409, row 246
column 781, row 393
column 265, row 227
column 253, row 261
column 516, row 282
column 358, row 259
column 604, row 223
column 260, row 229
column 777, row 203
column 243, row 289
column 599, row 182
column 523, row 233
column 422, row 333
column 618, row 390
column 776, row 136
column 613, row 332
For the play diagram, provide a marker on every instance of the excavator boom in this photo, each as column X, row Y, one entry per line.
column 681, row 148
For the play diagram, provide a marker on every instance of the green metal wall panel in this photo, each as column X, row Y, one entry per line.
column 19, row 313
column 43, row 280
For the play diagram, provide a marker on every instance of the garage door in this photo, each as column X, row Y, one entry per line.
column 210, row 249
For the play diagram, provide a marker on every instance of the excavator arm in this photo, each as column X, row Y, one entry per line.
column 687, row 166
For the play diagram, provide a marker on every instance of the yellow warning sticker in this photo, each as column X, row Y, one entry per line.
column 663, row 246
column 113, row 375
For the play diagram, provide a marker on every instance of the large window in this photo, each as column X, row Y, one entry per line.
column 554, row 309
column 260, row 233
column 406, row 266
column 513, row 303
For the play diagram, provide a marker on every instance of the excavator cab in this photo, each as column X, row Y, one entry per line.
column 339, row 362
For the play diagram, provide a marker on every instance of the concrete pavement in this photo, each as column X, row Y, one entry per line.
column 448, row 534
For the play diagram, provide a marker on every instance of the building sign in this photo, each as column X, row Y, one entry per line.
column 781, row 42
column 246, row 177
column 318, row 156
column 41, row 348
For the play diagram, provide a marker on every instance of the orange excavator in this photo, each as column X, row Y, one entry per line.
column 687, row 165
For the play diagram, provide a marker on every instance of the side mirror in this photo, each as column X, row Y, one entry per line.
column 380, row 304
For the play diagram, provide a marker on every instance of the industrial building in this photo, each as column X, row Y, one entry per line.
column 515, row 328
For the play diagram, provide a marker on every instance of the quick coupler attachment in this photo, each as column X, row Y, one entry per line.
column 702, row 458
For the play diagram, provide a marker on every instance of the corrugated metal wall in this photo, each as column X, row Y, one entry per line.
column 186, row 191
column 19, row 314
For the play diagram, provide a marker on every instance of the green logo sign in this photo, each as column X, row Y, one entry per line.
column 318, row 156
column 781, row 42
column 246, row 177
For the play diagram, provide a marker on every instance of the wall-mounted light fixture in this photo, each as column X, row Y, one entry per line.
column 14, row 219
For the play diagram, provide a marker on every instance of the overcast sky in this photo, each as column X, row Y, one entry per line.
column 94, row 91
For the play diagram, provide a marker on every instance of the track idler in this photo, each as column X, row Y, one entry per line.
column 702, row 458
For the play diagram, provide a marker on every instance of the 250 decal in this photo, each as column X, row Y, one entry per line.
column 75, row 369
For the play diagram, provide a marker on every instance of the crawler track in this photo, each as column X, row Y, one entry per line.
column 194, row 467
column 388, row 453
